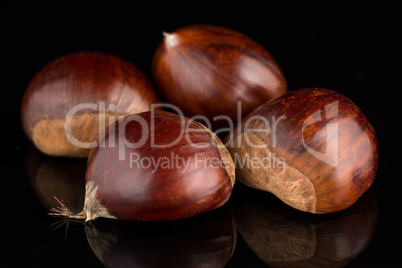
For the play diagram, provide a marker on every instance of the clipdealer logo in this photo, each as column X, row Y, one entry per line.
column 331, row 154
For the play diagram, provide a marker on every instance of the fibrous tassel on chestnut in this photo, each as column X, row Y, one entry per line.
column 209, row 70
column 155, row 166
column 312, row 148
column 84, row 91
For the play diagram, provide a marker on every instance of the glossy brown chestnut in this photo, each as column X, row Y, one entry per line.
column 156, row 166
column 312, row 148
column 99, row 87
column 207, row 70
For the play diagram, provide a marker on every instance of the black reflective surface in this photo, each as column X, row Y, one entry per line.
column 355, row 52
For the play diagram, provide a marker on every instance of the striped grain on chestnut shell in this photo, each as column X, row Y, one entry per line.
column 319, row 151
column 92, row 80
column 208, row 70
column 173, row 168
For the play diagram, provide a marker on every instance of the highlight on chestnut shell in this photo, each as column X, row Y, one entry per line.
column 210, row 70
column 155, row 166
column 312, row 148
column 86, row 91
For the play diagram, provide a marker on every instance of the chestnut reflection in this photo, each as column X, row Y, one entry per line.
column 207, row 240
column 61, row 177
column 283, row 237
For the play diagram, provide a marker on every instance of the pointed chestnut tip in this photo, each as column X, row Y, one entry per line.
column 171, row 39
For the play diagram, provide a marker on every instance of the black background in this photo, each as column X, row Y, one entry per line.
column 355, row 51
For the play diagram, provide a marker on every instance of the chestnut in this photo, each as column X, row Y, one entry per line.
column 312, row 148
column 215, row 72
column 76, row 96
column 155, row 166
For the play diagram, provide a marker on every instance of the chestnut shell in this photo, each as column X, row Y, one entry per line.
column 179, row 179
column 81, row 78
column 320, row 151
column 207, row 70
